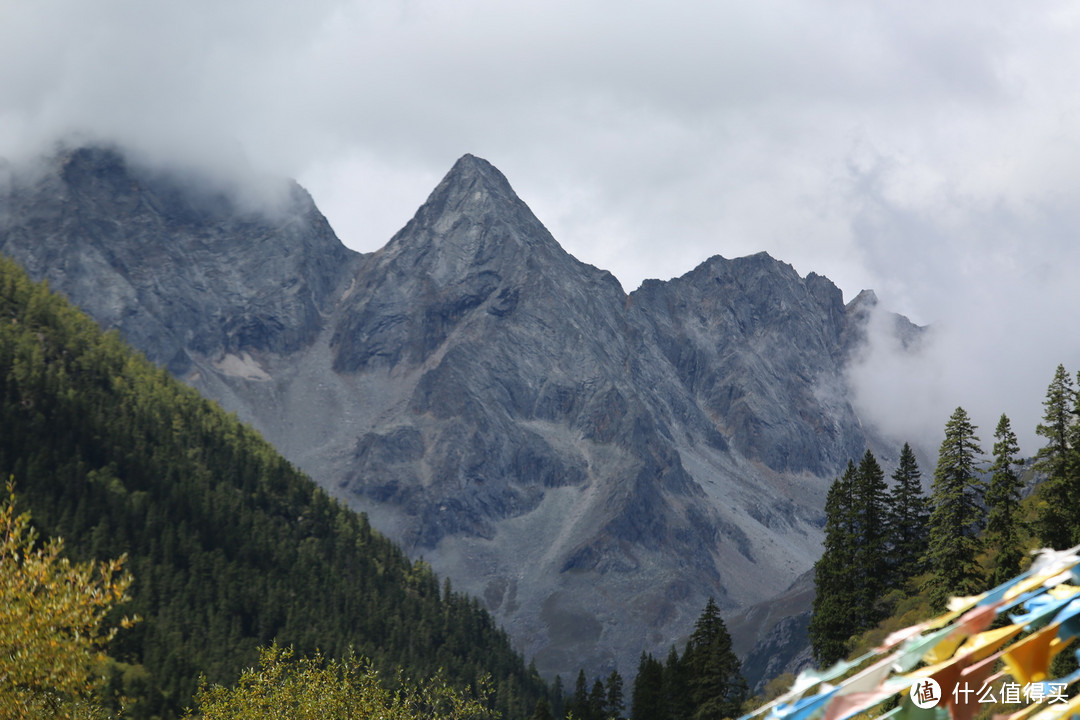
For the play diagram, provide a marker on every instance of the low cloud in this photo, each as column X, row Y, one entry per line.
column 931, row 153
column 1001, row 311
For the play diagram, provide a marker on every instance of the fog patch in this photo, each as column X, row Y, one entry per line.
column 984, row 354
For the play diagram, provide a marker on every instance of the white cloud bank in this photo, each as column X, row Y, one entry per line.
column 928, row 150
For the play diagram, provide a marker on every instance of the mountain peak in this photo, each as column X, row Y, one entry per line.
column 865, row 300
column 472, row 181
column 469, row 164
column 472, row 220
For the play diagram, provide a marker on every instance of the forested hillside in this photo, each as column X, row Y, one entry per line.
column 230, row 546
column 894, row 556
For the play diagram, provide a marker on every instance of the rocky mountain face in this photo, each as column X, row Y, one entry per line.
column 172, row 261
column 592, row 464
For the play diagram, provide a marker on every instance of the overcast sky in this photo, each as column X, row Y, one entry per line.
column 928, row 150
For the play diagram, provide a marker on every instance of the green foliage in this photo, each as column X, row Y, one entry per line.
column 1053, row 458
column 909, row 518
column 716, row 682
column 613, row 702
column 1059, row 521
column 543, row 711
column 317, row 689
column 1003, row 531
column 53, row 625
column 230, row 547
column 870, row 551
column 705, row 683
column 597, row 696
column 957, row 514
column 647, row 699
column 832, row 622
column 579, row 703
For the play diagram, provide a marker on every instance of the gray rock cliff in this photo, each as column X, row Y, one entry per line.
column 594, row 465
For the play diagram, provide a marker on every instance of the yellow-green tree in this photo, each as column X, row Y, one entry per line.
column 317, row 689
column 52, row 622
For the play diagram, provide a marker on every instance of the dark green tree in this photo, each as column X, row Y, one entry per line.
column 677, row 697
column 870, row 527
column 1073, row 455
column 717, row 686
column 614, row 702
column 543, row 710
column 957, row 515
column 558, row 697
column 831, row 624
column 1003, row 504
column 647, row 699
column 597, row 701
column 909, row 517
column 1058, row 418
column 1058, row 494
column 579, row 704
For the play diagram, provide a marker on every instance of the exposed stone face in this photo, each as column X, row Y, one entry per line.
column 593, row 465
column 760, row 350
column 772, row 638
column 177, row 268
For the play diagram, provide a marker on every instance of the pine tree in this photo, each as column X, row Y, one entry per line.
column 1073, row 455
column 543, row 710
column 870, row 559
column 647, row 697
column 614, row 704
column 831, row 624
column 677, row 698
column 717, row 686
column 579, row 703
column 597, row 700
column 909, row 516
column 1058, row 418
column 956, row 517
column 558, row 697
column 1003, row 502
column 1058, row 495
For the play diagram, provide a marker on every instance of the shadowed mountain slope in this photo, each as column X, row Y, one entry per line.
column 229, row 546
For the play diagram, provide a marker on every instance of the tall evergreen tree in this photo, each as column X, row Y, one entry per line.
column 909, row 516
column 1059, row 494
column 558, row 697
column 579, row 704
column 715, row 674
column 870, row 559
column 831, row 624
column 1058, row 418
column 1073, row 455
column 677, row 698
column 614, row 704
column 597, row 701
column 957, row 515
column 647, row 700
column 543, row 710
column 1003, row 503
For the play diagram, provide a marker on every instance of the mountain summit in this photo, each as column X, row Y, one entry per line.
column 592, row 465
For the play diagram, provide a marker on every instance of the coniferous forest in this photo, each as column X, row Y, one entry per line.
column 231, row 553
column 892, row 555
column 230, row 548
